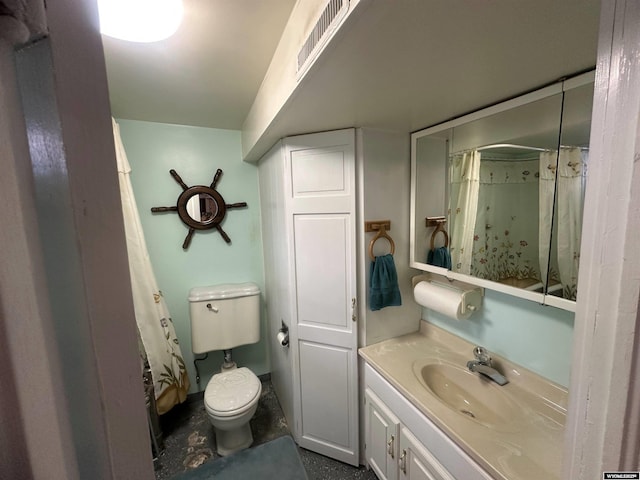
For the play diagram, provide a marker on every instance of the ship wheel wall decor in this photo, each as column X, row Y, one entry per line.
column 200, row 207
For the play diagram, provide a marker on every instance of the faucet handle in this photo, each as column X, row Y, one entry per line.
column 482, row 355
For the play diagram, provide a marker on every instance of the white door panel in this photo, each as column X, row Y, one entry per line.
column 319, row 173
column 322, row 269
column 321, row 194
column 326, row 405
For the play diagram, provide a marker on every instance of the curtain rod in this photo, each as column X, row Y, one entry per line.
column 512, row 145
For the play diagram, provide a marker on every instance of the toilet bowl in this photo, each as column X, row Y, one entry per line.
column 231, row 399
column 224, row 317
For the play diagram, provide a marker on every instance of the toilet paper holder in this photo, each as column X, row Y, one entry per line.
column 283, row 334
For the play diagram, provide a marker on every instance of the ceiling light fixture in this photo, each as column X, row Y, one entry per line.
column 140, row 20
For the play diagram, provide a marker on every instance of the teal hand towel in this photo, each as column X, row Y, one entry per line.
column 383, row 283
column 439, row 257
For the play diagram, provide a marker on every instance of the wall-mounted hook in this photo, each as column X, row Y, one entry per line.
column 380, row 226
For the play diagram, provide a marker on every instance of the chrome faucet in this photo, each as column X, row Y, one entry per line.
column 482, row 365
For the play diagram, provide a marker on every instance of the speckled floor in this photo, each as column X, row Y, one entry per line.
column 189, row 440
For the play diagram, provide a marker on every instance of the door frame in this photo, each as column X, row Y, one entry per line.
column 603, row 423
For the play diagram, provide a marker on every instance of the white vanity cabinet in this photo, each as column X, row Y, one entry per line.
column 401, row 443
column 416, row 462
column 382, row 429
column 392, row 451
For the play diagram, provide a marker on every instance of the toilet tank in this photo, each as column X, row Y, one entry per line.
column 224, row 316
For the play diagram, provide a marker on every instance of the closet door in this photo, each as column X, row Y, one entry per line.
column 321, row 171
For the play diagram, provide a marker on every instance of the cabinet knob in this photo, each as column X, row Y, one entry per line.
column 390, row 446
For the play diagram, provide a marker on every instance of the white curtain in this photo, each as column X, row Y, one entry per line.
column 465, row 181
column 570, row 165
column 158, row 336
column 547, row 185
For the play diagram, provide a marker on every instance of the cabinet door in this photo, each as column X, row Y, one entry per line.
column 382, row 438
column 321, row 191
column 416, row 462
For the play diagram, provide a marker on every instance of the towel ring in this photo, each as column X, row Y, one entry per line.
column 382, row 233
column 439, row 228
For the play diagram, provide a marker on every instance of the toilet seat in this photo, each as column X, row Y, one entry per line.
column 232, row 393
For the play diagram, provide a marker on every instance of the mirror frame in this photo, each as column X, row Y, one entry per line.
column 545, row 92
column 183, row 213
column 188, row 194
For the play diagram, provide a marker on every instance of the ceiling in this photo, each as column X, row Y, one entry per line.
column 207, row 74
column 392, row 65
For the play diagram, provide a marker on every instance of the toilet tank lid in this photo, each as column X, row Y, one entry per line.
column 227, row 290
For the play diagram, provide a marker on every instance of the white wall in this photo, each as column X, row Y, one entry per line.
column 383, row 191
column 276, row 273
column 281, row 79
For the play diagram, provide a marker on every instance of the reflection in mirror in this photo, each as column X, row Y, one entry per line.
column 202, row 207
column 570, row 162
column 431, row 190
column 493, row 174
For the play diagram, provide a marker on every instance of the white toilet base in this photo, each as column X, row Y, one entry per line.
column 231, row 441
column 231, row 389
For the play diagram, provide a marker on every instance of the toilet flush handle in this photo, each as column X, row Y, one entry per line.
column 211, row 307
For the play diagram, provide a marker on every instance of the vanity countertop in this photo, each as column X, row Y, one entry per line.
column 526, row 445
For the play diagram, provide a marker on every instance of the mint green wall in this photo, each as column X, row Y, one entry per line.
column 534, row 336
column 195, row 153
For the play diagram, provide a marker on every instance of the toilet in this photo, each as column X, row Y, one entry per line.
column 224, row 317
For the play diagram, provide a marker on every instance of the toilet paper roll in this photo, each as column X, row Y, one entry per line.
column 448, row 301
column 283, row 338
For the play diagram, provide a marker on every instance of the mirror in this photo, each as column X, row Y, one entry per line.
column 571, row 178
column 200, row 207
column 492, row 176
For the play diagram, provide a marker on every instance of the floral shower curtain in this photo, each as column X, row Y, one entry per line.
column 160, row 346
column 506, row 238
column 465, row 180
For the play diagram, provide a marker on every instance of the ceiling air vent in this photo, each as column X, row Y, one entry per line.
column 322, row 31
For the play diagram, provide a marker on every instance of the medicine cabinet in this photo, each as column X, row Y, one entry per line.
column 506, row 184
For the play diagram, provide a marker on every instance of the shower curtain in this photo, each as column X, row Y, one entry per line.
column 160, row 346
column 547, row 185
column 506, row 233
column 571, row 165
column 465, row 180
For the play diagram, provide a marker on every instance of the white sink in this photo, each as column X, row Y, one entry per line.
column 467, row 393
